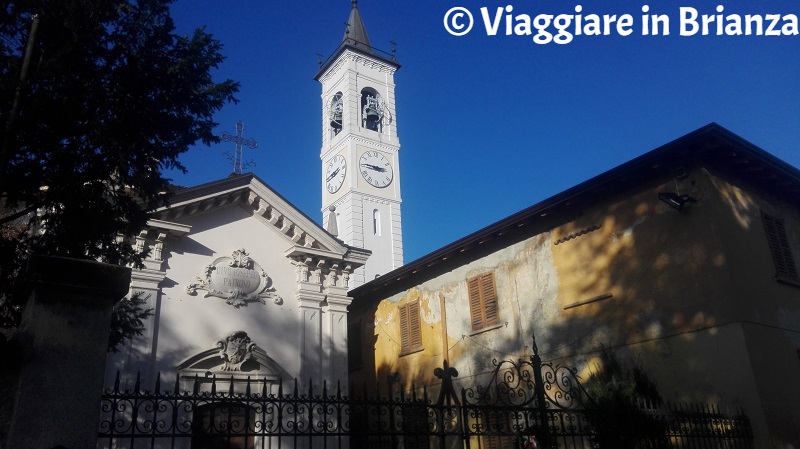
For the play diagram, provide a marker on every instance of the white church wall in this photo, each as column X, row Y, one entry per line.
column 191, row 323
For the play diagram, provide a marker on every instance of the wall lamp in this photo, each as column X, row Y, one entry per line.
column 675, row 200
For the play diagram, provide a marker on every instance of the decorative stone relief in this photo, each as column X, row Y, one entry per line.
column 237, row 279
column 235, row 349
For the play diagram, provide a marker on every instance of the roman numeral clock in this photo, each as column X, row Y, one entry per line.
column 375, row 168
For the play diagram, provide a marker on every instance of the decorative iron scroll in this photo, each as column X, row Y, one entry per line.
column 525, row 401
column 238, row 279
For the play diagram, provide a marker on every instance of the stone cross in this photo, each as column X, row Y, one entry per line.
column 239, row 140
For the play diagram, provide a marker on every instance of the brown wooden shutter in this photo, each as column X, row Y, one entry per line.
column 475, row 308
column 410, row 327
column 414, row 326
column 489, row 293
column 483, row 301
column 403, row 328
column 781, row 250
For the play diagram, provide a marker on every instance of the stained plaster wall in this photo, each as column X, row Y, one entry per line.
column 693, row 300
column 768, row 310
column 189, row 324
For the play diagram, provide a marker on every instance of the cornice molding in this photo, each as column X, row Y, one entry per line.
column 364, row 140
column 366, row 61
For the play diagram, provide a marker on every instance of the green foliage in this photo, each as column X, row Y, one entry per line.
column 110, row 98
column 127, row 320
column 617, row 393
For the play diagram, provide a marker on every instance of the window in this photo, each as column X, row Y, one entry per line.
column 376, row 222
column 483, row 301
column 785, row 268
column 410, row 328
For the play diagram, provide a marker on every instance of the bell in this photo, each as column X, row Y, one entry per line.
column 335, row 113
column 336, row 122
column 372, row 115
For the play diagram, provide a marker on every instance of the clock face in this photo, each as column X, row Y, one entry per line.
column 334, row 174
column 375, row 168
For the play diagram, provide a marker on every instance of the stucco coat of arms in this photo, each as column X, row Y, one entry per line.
column 237, row 279
column 235, row 349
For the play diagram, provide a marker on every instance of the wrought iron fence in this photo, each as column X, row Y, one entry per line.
column 526, row 404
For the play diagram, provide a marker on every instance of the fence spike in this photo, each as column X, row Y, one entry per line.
column 195, row 385
column 136, row 385
column 338, row 389
column 214, row 385
column 247, row 387
column 116, row 383
column 324, row 388
column 177, row 384
column 157, row 388
column 296, row 393
column 230, row 389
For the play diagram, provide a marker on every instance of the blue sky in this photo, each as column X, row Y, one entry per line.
column 489, row 125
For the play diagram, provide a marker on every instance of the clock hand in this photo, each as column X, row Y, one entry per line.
column 374, row 167
column 333, row 175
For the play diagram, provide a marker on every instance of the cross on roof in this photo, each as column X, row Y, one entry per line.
column 239, row 140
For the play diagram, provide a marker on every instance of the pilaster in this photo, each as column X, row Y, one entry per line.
column 335, row 347
column 310, row 301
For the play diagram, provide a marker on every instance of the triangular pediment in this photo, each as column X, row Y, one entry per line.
column 303, row 236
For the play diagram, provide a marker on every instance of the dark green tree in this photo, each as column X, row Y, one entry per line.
column 96, row 99
column 616, row 395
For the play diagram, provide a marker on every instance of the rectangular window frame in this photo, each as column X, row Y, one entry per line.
column 484, row 308
column 410, row 328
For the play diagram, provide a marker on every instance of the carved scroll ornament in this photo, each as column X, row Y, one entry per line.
column 237, row 279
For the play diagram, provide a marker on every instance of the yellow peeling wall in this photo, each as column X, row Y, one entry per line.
column 690, row 295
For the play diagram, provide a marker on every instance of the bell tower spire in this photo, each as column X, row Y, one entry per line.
column 360, row 149
column 355, row 31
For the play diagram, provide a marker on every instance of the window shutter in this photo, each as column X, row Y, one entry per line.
column 781, row 250
column 483, row 301
column 403, row 328
column 414, row 326
column 489, row 294
column 475, row 309
column 410, row 327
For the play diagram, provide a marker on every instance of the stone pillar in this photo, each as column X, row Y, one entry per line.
column 335, row 367
column 310, row 298
column 62, row 342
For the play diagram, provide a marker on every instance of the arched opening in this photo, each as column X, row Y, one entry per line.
column 376, row 222
column 335, row 113
column 372, row 110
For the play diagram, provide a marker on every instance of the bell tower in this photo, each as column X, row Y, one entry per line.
column 359, row 155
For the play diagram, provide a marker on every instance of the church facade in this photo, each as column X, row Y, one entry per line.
column 683, row 261
column 241, row 284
